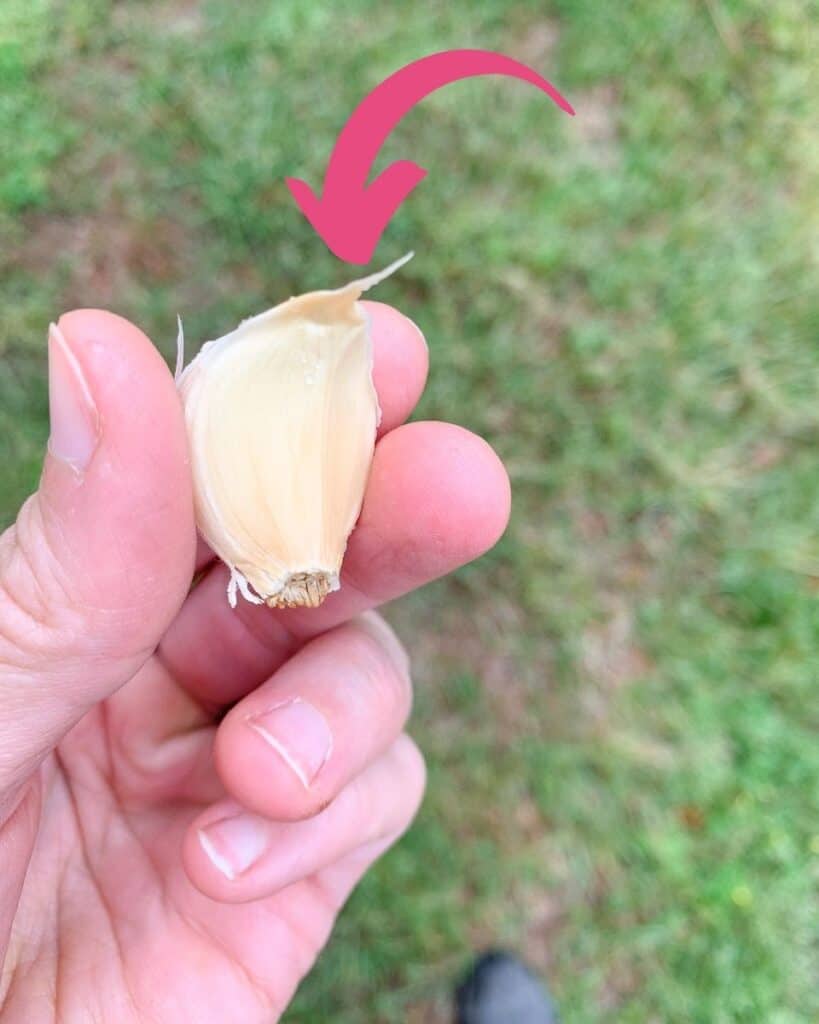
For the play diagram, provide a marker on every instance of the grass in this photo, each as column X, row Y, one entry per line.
column 619, row 703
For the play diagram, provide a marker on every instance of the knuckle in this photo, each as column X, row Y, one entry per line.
column 375, row 811
column 413, row 768
column 388, row 812
column 386, row 637
column 385, row 664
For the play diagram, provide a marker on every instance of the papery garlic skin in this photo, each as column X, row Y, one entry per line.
column 281, row 416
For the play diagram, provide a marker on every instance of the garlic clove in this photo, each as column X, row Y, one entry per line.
column 281, row 416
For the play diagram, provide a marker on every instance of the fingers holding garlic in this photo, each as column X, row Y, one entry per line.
column 281, row 416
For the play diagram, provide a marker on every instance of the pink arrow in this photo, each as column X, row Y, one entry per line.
column 350, row 215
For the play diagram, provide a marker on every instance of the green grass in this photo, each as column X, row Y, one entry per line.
column 619, row 704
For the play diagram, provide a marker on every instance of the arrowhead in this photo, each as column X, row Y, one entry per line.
column 351, row 220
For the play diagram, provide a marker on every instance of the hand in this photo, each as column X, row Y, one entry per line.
column 188, row 794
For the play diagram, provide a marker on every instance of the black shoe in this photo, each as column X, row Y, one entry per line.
column 500, row 989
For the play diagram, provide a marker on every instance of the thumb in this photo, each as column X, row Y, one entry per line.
column 101, row 557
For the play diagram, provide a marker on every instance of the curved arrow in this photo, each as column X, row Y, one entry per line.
column 350, row 215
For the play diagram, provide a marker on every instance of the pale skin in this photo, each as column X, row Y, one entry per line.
column 188, row 794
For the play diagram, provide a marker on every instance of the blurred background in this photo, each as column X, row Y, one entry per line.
column 619, row 704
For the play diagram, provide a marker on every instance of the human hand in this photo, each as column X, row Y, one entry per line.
column 188, row 794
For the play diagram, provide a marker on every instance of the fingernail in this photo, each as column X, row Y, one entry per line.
column 74, row 418
column 299, row 734
column 234, row 844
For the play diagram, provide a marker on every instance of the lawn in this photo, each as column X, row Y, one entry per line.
column 619, row 704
